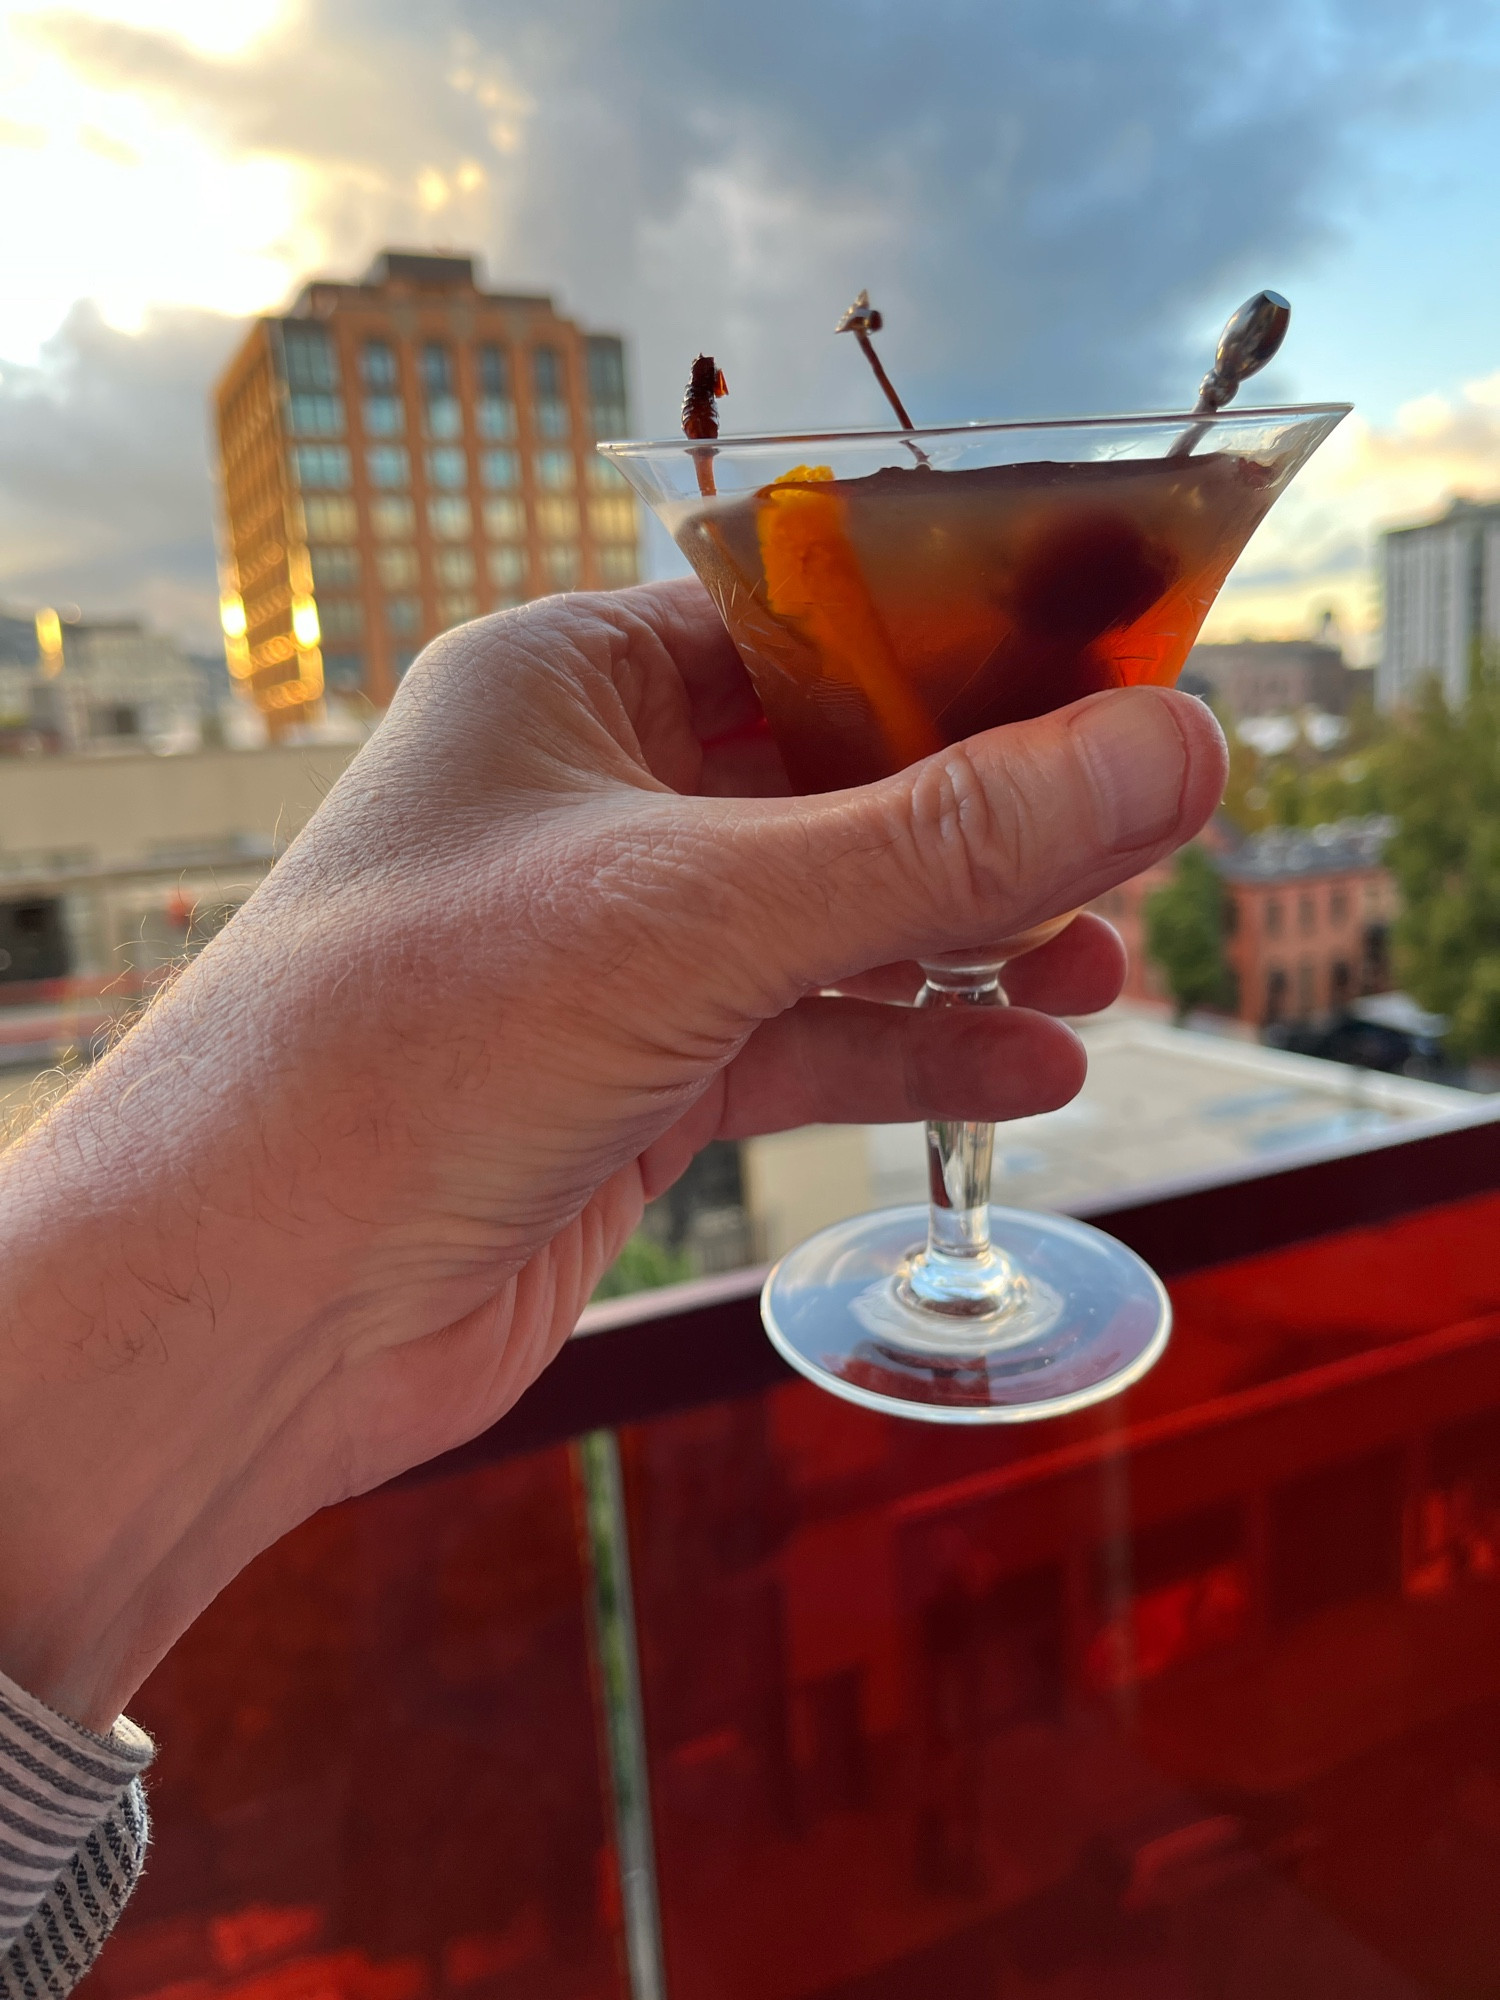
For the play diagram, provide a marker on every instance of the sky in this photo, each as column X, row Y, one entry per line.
column 1056, row 203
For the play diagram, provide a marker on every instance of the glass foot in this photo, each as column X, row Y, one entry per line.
column 1080, row 1318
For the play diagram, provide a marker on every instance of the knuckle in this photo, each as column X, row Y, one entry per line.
column 981, row 837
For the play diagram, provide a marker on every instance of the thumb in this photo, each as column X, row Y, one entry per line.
column 980, row 841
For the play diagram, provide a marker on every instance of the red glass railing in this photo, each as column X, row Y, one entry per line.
column 753, row 1693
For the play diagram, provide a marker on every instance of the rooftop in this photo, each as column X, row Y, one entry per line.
column 1283, row 853
column 422, row 271
column 1459, row 508
column 1158, row 1103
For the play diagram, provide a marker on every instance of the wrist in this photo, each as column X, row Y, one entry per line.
column 144, row 1373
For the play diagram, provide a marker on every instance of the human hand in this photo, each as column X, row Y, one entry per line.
column 343, row 1193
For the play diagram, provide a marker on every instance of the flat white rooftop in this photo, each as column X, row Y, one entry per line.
column 1160, row 1103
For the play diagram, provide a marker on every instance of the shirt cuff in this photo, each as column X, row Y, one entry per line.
column 72, row 1835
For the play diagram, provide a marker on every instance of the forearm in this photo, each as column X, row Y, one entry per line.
column 146, row 1362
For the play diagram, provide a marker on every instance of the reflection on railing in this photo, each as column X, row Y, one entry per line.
column 615, row 1650
column 758, row 1696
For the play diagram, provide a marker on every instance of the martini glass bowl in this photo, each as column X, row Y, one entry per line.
column 892, row 592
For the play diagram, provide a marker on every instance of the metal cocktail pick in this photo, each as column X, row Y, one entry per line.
column 1247, row 343
column 862, row 319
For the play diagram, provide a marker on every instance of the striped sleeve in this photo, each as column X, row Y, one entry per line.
column 72, row 1840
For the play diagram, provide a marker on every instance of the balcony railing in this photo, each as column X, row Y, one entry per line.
column 688, row 1680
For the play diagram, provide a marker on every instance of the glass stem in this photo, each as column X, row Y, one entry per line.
column 960, row 1273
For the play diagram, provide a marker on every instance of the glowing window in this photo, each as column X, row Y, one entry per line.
column 450, row 520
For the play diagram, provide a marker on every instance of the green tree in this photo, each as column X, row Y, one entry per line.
column 1443, row 784
column 1185, row 922
column 641, row 1266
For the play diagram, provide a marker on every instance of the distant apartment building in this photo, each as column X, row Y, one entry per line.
column 399, row 455
column 1258, row 677
column 1442, row 602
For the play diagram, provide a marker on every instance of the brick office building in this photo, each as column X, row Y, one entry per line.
column 402, row 454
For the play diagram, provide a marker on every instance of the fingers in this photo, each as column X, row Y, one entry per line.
column 975, row 843
column 1077, row 972
column 683, row 616
column 855, row 1062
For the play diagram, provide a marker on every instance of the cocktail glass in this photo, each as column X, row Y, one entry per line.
column 892, row 592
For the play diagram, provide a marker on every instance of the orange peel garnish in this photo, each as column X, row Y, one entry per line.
column 814, row 583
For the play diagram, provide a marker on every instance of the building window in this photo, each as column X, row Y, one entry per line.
column 344, row 672
column 321, row 464
column 499, row 469
column 1306, row 987
column 341, row 617
column 403, row 616
column 455, row 567
column 555, row 469
column 1307, row 915
column 445, row 417
column 563, row 566
column 437, row 368
column 607, row 386
column 494, row 372
column 450, row 520
column 549, row 380
column 555, row 516
column 393, row 520
column 507, row 567
column 1276, row 984
column 447, row 466
column 377, row 365
column 335, row 569
column 504, row 520
column 1338, row 907
column 613, row 519
column 311, row 362
column 497, row 409
column 618, row 565
column 457, row 608
column 397, row 568
column 1273, row 917
column 329, row 519
column 388, row 465
column 384, row 416
column 311, row 415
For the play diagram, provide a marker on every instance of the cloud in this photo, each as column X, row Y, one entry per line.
column 105, row 492
column 1055, row 202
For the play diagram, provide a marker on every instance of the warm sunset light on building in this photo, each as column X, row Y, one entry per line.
column 401, row 455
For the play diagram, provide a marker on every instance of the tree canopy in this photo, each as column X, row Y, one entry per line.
column 1185, row 923
column 1441, row 774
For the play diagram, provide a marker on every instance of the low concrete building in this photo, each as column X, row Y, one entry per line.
column 96, row 686
column 112, row 868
